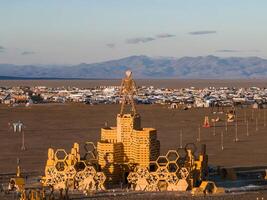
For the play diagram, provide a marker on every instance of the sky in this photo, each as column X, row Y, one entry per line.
column 87, row 31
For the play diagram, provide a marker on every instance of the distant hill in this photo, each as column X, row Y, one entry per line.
column 9, row 78
column 202, row 67
column 38, row 78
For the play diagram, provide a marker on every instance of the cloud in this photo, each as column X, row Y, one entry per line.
column 24, row 53
column 235, row 51
column 205, row 32
column 165, row 35
column 139, row 40
column 227, row 51
column 110, row 45
column 2, row 49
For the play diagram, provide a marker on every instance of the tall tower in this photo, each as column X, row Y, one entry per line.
column 127, row 143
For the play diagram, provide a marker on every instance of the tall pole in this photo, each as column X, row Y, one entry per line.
column 181, row 139
column 247, row 129
column 18, row 167
column 214, row 131
column 256, row 123
column 252, row 113
column 264, row 118
column 226, row 125
column 222, row 147
column 236, row 135
column 23, row 142
column 19, row 127
column 198, row 138
column 245, row 115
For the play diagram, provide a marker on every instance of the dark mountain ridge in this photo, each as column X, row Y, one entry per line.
column 201, row 67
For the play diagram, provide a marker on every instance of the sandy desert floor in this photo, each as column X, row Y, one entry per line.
column 60, row 125
column 169, row 83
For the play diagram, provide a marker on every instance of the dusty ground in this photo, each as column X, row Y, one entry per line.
column 58, row 126
column 175, row 195
column 260, row 195
column 170, row 83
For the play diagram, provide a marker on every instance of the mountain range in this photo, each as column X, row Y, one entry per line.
column 144, row 67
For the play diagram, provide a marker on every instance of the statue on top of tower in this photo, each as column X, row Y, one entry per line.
column 127, row 90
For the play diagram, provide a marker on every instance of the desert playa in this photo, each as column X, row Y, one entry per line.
column 168, row 83
column 60, row 125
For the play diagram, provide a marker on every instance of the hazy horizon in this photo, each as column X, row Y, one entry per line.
column 154, row 57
